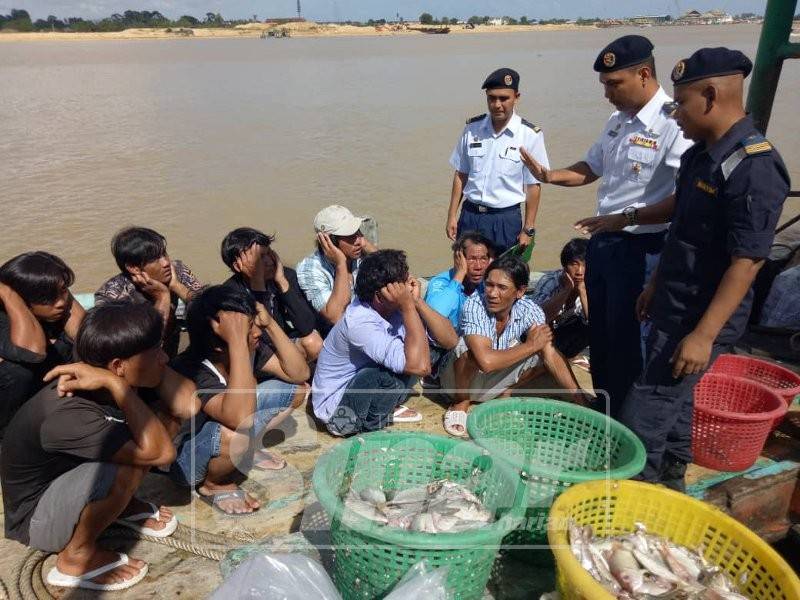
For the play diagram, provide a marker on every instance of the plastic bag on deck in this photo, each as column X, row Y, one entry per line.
column 277, row 577
column 421, row 582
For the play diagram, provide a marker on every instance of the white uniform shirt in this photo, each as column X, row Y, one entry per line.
column 496, row 175
column 637, row 158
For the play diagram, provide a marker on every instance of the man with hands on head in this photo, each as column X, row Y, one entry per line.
column 373, row 353
column 636, row 158
column 327, row 276
column 147, row 274
column 75, row 454
column 39, row 319
column 224, row 356
column 729, row 196
column 258, row 270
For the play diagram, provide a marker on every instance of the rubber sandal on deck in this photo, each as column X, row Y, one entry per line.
column 59, row 579
column 132, row 521
column 456, row 417
column 213, row 501
column 400, row 410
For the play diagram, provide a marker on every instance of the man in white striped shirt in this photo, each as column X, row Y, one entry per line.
column 506, row 343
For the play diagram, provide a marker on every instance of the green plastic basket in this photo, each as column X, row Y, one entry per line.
column 552, row 445
column 369, row 558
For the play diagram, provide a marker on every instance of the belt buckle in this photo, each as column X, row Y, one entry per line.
column 481, row 208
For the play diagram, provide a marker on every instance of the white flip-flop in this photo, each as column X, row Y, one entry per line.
column 456, row 417
column 400, row 410
column 132, row 521
column 59, row 579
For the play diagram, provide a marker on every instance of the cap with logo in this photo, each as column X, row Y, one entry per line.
column 711, row 62
column 502, row 78
column 627, row 51
column 337, row 220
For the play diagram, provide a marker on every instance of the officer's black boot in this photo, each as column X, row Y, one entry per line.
column 673, row 474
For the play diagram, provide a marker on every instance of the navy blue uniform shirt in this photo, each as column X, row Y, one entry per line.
column 729, row 198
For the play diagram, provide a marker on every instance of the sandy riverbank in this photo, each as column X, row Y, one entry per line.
column 255, row 30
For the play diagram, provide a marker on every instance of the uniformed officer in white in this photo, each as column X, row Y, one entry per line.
column 637, row 156
column 489, row 172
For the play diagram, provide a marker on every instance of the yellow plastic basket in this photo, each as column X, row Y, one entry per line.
column 612, row 507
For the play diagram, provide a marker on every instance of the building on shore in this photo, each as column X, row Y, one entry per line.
column 712, row 17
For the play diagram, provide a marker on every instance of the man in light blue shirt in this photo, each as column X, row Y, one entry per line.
column 448, row 290
column 636, row 157
column 380, row 344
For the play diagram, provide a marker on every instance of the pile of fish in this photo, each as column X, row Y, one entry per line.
column 640, row 566
column 439, row 507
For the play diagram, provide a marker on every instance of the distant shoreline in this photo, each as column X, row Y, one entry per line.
column 255, row 30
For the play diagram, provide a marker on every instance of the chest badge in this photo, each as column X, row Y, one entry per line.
column 637, row 167
column 706, row 187
column 644, row 142
column 615, row 132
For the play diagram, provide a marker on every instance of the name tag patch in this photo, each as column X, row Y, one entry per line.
column 475, row 144
column 706, row 187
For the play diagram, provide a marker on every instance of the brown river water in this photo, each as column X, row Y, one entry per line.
column 196, row 137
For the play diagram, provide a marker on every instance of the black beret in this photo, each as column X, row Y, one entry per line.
column 623, row 52
column 502, row 78
column 711, row 62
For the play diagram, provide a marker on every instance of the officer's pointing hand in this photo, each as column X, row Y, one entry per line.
column 536, row 169
column 692, row 355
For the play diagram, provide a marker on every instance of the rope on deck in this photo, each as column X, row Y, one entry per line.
column 28, row 582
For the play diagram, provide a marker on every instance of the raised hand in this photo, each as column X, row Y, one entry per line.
column 251, row 265
column 76, row 377
column 460, row 265
column 414, row 288
column 152, row 288
column 541, row 173
column 329, row 249
column 395, row 295
column 231, row 326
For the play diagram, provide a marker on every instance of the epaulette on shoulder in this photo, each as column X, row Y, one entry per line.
column 756, row 144
column 476, row 118
column 527, row 123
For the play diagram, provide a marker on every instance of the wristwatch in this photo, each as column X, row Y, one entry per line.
column 529, row 231
column 631, row 214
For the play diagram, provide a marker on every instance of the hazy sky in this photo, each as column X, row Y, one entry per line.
column 339, row 10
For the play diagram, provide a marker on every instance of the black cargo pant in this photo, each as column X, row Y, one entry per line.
column 658, row 409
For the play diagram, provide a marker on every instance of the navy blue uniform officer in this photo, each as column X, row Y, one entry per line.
column 729, row 195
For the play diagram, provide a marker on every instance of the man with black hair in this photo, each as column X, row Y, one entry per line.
column 147, row 274
column 368, row 360
column 225, row 327
column 258, row 270
column 75, row 453
column 39, row 319
column 636, row 158
column 447, row 291
column 327, row 276
column 506, row 343
column 562, row 296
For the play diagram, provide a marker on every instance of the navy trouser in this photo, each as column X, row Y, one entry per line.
column 659, row 408
column 501, row 225
column 616, row 266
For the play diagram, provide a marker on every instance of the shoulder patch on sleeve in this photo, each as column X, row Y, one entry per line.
column 756, row 144
column 527, row 123
column 476, row 118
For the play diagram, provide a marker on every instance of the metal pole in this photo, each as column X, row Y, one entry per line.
column 772, row 49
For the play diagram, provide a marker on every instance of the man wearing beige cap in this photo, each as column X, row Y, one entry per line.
column 327, row 275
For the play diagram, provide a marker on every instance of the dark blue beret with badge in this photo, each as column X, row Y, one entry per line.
column 623, row 52
column 711, row 62
column 502, row 78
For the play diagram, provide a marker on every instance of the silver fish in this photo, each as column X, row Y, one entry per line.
column 409, row 496
column 373, row 496
column 424, row 523
column 625, row 568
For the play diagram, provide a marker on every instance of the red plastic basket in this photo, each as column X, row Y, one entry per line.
column 782, row 381
column 732, row 419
